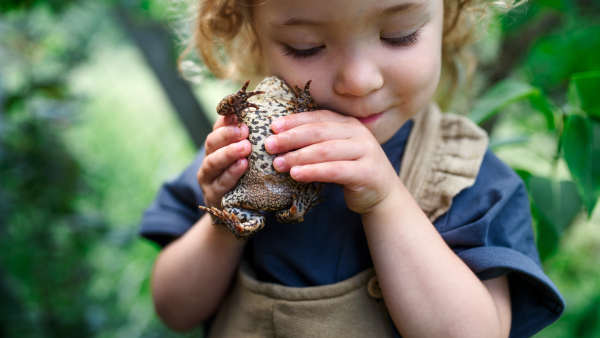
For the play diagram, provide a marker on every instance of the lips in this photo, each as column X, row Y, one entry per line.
column 370, row 118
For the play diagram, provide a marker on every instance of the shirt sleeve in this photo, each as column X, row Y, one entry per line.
column 489, row 227
column 175, row 208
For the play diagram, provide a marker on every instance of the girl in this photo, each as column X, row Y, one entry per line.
column 423, row 232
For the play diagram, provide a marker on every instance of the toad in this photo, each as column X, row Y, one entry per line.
column 262, row 187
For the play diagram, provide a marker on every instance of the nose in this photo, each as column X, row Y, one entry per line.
column 358, row 75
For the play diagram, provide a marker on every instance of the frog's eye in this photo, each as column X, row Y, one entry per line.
column 301, row 53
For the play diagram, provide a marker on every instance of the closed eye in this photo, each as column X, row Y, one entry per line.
column 301, row 53
column 403, row 40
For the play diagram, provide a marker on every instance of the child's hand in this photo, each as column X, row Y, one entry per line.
column 226, row 148
column 333, row 148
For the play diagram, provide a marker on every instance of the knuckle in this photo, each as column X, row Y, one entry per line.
column 220, row 182
column 209, row 164
column 295, row 157
column 233, row 171
column 321, row 153
column 211, row 141
column 367, row 147
column 334, row 171
column 318, row 131
column 285, row 137
column 326, row 152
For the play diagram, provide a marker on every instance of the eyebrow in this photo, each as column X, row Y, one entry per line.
column 411, row 6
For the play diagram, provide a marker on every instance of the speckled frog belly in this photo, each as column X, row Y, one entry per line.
column 262, row 187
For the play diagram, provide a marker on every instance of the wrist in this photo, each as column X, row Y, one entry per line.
column 397, row 202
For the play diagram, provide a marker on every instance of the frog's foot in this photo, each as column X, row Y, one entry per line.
column 301, row 205
column 242, row 223
column 303, row 101
column 237, row 102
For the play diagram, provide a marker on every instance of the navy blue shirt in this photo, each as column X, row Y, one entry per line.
column 488, row 226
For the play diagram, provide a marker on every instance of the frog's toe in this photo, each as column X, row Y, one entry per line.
column 244, row 227
column 237, row 102
column 304, row 100
column 290, row 216
column 300, row 205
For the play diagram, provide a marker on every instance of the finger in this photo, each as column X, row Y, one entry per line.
column 352, row 174
column 225, row 136
column 328, row 151
column 312, row 133
column 223, row 121
column 294, row 120
column 339, row 172
column 229, row 178
column 215, row 163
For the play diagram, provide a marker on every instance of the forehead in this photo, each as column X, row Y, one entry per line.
column 290, row 13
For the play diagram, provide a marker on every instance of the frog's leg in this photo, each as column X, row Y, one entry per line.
column 237, row 102
column 307, row 199
column 303, row 101
column 243, row 223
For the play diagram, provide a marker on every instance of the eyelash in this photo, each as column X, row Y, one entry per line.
column 404, row 40
column 300, row 53
column 395, row 42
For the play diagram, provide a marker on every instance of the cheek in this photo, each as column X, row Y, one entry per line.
column 416, row 74
column 272, row 60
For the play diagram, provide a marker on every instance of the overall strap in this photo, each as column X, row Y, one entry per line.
column 443, row 156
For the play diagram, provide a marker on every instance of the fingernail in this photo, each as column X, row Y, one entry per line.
column 278, row 162
column 295, row 170
column 237, row 131
column 277, row 125
column 270, row 143
column 241, row 146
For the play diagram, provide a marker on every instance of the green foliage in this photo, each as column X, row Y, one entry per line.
column 582, row 153
column 21, row 5
column 45, row 241
column 556, row 204
column 82, row 154
column 583, row 93
column 507, row 92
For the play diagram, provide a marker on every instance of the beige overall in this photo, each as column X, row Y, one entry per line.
column 443, row 156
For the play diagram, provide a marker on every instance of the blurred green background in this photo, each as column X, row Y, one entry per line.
column 94, row 117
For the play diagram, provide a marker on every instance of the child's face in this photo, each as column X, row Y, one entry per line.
column 378, row 61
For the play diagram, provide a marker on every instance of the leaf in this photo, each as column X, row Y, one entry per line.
column 584, row 92
column 524, row 174
column 542, row 104
column 581, row 145
column 510, row 91
column 595, row 159
column 497, row 143
column 587, row 323
column 500, row 96
column 558, row 202
column 555, row 204
column 560, row 5
column 546, row 238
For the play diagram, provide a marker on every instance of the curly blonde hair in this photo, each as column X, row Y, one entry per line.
column 230, row 49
